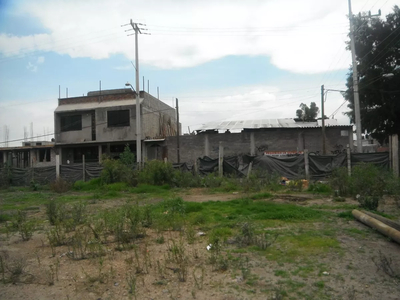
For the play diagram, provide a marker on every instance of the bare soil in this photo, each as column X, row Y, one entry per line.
column 344, row 273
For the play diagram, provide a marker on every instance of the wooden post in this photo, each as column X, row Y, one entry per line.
column 390, row 154
column 221, row 160
column 83, row 168
column 395, row 151
column 57, row 166
column 306, row 164
column 348, row 160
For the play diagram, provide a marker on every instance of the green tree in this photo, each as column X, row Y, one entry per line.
column 307, row 114
column 377, row 43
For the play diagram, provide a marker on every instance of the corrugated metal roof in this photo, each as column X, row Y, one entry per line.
column 94, row 105
column 264, row 123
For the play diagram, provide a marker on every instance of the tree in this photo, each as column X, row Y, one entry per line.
column 307, row 114
column 377, row 45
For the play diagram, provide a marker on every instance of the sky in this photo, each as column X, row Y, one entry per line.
column 223, row 60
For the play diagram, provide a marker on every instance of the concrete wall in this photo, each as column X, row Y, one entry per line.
column 76, row 136
column 270, row 140
column 106, row 134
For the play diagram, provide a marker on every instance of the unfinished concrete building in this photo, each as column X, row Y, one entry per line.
column 104, row 122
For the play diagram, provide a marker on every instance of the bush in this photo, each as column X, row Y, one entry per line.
column 116, row 171
column 340, row 181
column 60, row 186
column 368, row 184
column 319, row 187
column 156, row 172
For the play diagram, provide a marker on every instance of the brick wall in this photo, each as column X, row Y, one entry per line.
column 273, row 140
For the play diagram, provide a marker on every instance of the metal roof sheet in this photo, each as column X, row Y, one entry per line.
column 265, row 123
column 94, row 105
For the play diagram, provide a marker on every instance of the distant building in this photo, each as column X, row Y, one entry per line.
column 105, row 121
column 31, row 154
column 261, row 137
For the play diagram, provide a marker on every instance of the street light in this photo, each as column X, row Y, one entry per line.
column 138, row 127
column 324, row 92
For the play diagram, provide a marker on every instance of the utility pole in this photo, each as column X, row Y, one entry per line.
column 355, row 78
column 323, row 120
column 178, row 155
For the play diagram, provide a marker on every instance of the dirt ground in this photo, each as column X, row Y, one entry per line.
column 346, row 272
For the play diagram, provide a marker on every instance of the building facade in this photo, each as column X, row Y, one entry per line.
column 104, row 122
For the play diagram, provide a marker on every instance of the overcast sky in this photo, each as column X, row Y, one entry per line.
column 224, row 60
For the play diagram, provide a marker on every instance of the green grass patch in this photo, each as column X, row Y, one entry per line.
column 346, row 215
column 292, row 247
column 282, row 273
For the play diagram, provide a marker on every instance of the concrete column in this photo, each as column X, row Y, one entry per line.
column 252, row 144
column 206, row 145
column 348, row 160
column 83, row 168
column 57, row 166
column 306, row 164
column 395, row 151
column 4, row 158
column 221, row 160
column 351, row 139
column 250, row 169
column 100, row 153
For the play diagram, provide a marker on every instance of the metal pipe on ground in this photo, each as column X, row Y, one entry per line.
column 378, row 225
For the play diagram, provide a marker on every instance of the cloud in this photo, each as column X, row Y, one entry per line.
column 301, row 36
column 33, row 67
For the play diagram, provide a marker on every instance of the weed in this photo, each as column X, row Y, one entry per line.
column 156, row 172
column 160, row 239
column 60, row 186
column 384, row 263
column 54, row 212
column 25, row 227
column 16, row 268
column 190, row 234
column 180, row 259
column 198, row 276
column 131, row 281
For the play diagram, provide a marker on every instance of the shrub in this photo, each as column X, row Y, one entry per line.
column 319, row 187
column 115, row 171
column 340, row 181
column 212, row 180
column 368, row 184
column 157, row 173
column 60, row 186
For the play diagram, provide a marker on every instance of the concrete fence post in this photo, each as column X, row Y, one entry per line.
column 306, row 164
column 57, row 166
column 221, row 160
column 83, row 168
column 395, row 153
column 252, row 144
column 196, row 167
column 165, row 160
column 206, row 145
column 348, row 160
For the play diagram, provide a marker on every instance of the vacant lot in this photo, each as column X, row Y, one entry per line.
column 159, row 243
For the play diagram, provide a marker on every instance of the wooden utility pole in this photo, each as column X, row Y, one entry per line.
column 323, row 119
